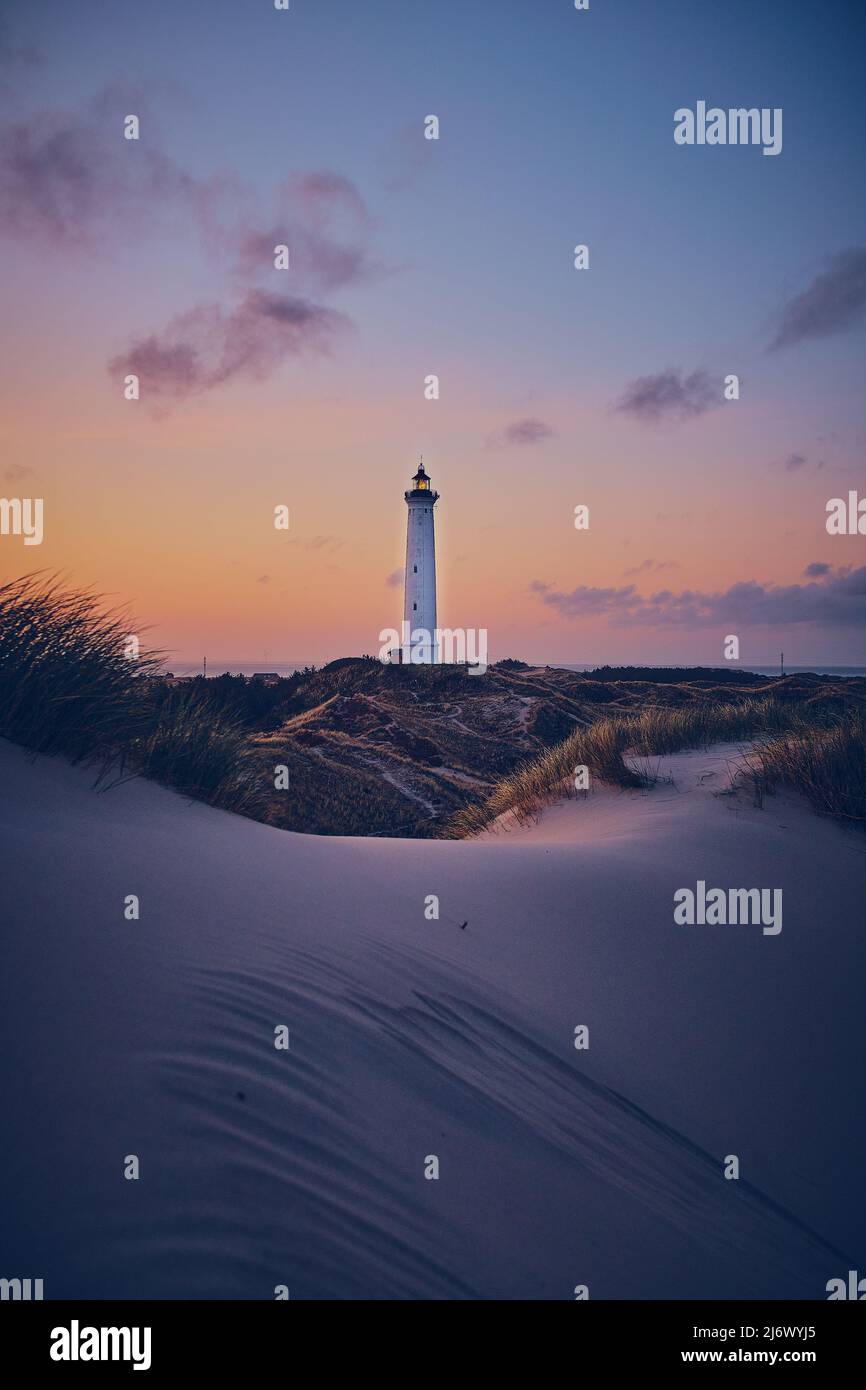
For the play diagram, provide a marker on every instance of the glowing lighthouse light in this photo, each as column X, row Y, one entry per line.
column 420, row 641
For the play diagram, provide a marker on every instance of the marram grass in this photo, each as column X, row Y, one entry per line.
column 824, row 761
column 828, row 765
column 68, row 687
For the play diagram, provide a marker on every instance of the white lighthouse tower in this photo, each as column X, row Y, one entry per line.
column 419, row 605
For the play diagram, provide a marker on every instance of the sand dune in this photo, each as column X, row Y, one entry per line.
column 412, row 1038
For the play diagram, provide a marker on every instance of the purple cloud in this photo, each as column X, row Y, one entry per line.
column 841, row 600
column 394, row 579
column 527, row 432
column 795, row 462
column 326, row 543
column 72, row 177
column 521, row 432
column 651, row 566
column 16, row 473
column 315, row 259
column 76, row 178
column 319, row 215
column 817, row 570
column 669, row 395
column 833, row 303
column 207, row 347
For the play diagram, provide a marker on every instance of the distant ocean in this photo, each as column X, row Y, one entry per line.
column 280, row 668
column 817, row 670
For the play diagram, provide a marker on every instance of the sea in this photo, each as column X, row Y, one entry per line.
column 775, row 670
column 280, row 668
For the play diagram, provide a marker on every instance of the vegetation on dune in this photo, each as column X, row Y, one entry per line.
column 821, row 753
column 192, row 746
column 656, row 730
column 65, row 684
column 68, row 685
column 828, row 765
column 676, row 675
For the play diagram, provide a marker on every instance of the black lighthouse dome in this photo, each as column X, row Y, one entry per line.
column 421, row 485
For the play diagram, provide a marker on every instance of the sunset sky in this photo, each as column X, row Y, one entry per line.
column 411, row 257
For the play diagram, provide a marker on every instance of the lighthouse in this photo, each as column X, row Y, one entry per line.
column 419, row 605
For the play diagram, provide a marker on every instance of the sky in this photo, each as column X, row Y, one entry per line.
column 410, row 257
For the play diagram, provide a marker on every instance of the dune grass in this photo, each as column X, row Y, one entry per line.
column 202, row 752
column 68, row 686
column 828, row 765
column 601, row 748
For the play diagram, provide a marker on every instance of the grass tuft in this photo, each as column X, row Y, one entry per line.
column 827, row 765
column 203, row 752
column 68, row 687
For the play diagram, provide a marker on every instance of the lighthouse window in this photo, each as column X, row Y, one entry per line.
column 414, row 606
column 414, row 569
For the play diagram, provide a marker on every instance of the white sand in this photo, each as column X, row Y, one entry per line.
column 411, row 1038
